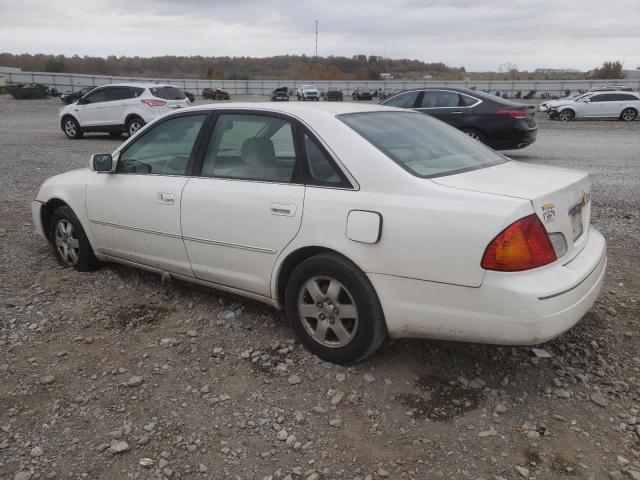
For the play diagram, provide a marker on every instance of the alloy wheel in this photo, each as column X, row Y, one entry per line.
column 327, row 311
column 134, row 127
column 565, row 115
column 629, row 115
column 70, row 128
column 67, row 242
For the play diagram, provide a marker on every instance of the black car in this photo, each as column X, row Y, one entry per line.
column 362, row 93
column 280, row 94
column 334, row 93
column 499, row 123
column 70, row 97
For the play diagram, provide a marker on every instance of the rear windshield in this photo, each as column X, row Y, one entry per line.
column 168, row 93
column 420, row 144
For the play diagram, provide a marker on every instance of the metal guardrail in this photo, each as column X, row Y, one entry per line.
column 75, row 82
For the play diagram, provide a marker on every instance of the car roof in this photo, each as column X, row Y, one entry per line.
column 137, row 84
column 297, row 108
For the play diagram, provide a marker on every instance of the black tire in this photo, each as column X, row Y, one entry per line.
column 133, row 125
column 566, row 115
column 368, row 332
column 475, row 133
column 86, row 260
column 629, row 115
column 71, row 127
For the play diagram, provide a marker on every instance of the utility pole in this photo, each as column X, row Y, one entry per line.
column 316, row 38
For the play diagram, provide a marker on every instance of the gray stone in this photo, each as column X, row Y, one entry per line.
column 118, row 446
column 135, row 381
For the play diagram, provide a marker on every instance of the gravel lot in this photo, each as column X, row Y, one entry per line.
column 111, row 375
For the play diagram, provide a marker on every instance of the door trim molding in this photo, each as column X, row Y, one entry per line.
column 231, row 245
column 135, row 229
column 191, row 239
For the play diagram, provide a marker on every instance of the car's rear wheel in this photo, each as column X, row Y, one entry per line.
column 566, row 115
column 334, row 309
column 476, row 134
column 70, row 243
column 629, row 114
column 71, row 128
column 133, row 125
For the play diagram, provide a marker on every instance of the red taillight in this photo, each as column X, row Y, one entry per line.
column 522, row 245
column 513, row 113
column 153, row 102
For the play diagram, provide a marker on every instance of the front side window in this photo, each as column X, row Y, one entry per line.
column 403, row 100
column 421, row 144
column 251, row 147
column 165, row 149
column 440, row 99
column 600, row 98
column 97, row 96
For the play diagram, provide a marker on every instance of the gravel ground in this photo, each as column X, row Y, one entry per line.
column 112, row 375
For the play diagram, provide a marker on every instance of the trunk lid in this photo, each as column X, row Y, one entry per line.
column 560, row 197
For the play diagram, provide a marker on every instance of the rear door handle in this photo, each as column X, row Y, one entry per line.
column 283, row 209
column 457, row 113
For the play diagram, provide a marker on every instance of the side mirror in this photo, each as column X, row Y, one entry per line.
column 102, row 162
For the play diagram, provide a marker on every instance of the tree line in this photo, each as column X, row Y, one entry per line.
column 357, row 67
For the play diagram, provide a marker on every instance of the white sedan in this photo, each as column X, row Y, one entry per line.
column 362, row 222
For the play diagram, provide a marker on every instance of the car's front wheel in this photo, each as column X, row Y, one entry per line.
column 133, row 125
column 629, row 114
column 566, row 115
column 71, row 127
column 70, row 243
column 334, row 309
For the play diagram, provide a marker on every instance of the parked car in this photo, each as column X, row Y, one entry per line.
column 308, row 92
column 280, row 94
column 620, row 88
column 29, row 91
column 499, row 123
column 72, row 97
column 119, row 107
column 360, row 221
column 362, row 93
column 604, row 104
column 334, row 94
column 545, row 106
column 217, row 94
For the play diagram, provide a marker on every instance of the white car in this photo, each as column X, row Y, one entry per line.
column 361, row 221
column 308, row 92
column 605, row 104
column 545, row 106
column 119, row 108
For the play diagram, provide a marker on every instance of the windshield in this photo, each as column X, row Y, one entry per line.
column 420, row 144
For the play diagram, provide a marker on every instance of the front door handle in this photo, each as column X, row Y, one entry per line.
column 284, row 209
column 166, row 198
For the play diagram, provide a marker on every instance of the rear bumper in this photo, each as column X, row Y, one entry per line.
column 523, row 308
column 514, row 139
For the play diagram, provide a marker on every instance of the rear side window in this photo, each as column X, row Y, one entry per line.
column 420, row 144
column 168, row 93
column 625, row 97
column 440, row 99
column 118, row 93
column 251, row 147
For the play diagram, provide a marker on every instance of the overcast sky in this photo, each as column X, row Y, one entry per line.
column 479, row 34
